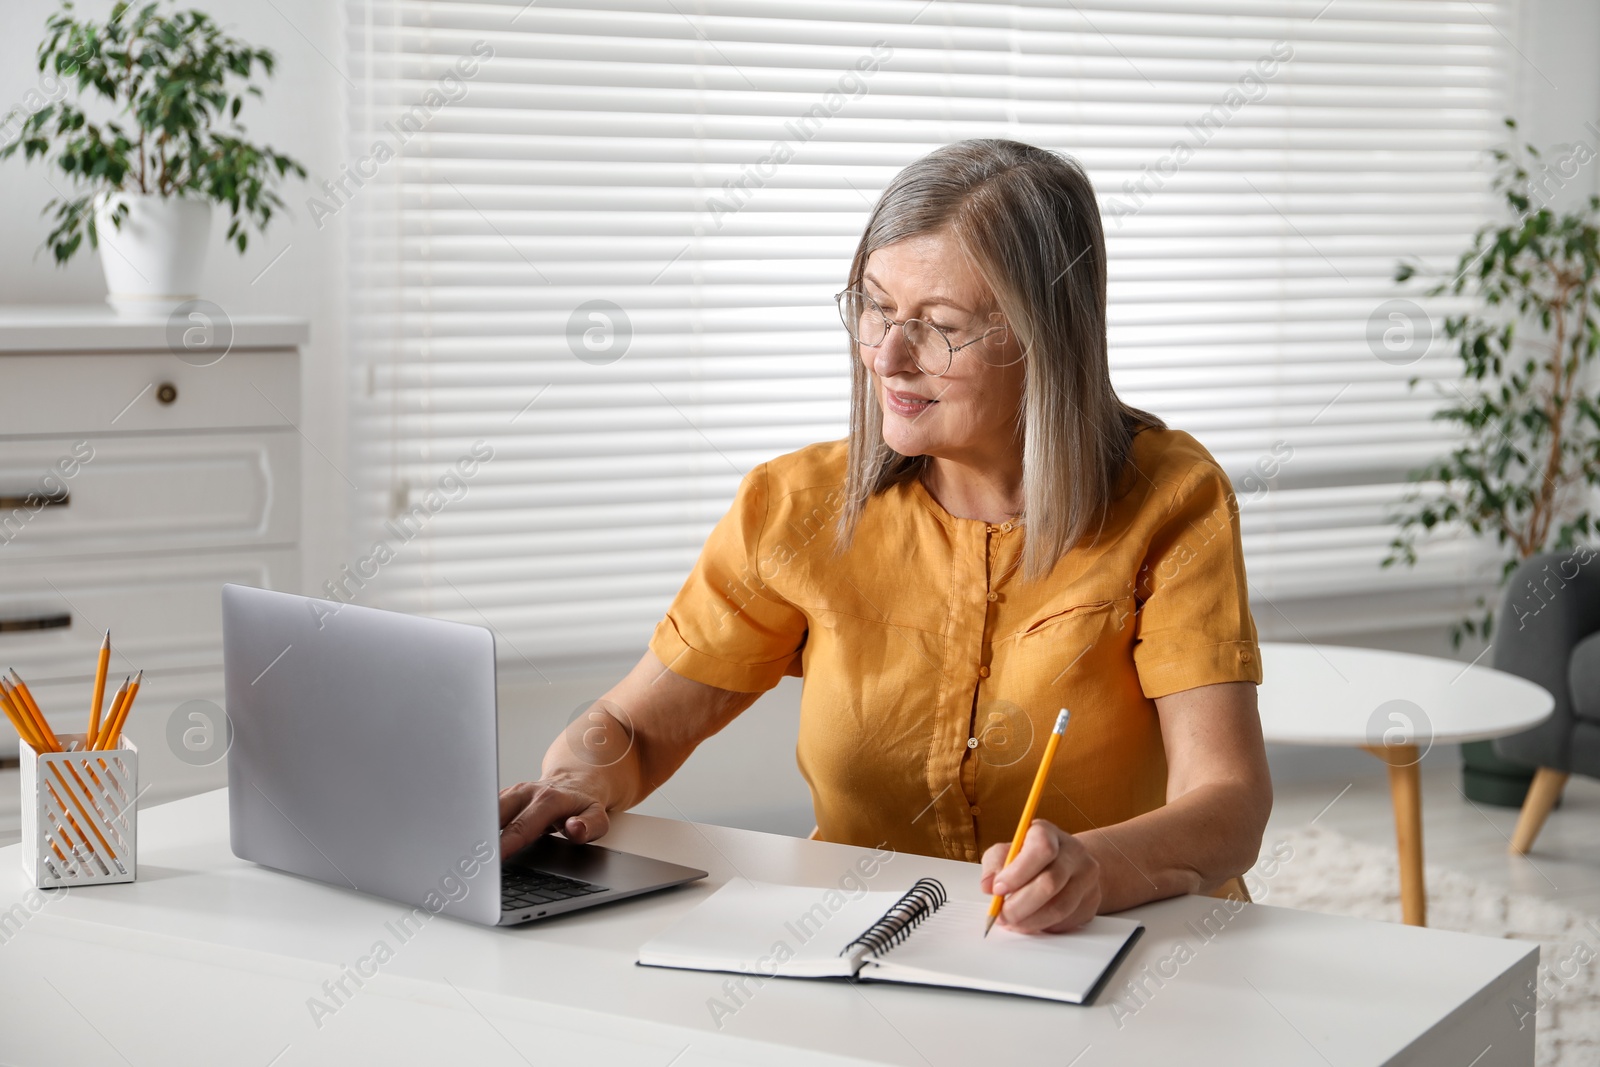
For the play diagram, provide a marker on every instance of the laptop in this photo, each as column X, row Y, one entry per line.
column 364, row 755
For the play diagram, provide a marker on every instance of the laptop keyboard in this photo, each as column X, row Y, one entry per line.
column 520, row 888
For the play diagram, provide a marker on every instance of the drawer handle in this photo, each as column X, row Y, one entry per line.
column 13, row 501
column 166, row 392
column 36, row 622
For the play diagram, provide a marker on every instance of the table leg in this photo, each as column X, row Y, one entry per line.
column 1405, row 792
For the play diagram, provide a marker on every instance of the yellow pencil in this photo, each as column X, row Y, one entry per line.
column 1028, row 809
column 113, row 729
column 20, row 724
column 116, row 707
column 61, row 829
column 25, row 702
column 18, row 708
column 99, row 689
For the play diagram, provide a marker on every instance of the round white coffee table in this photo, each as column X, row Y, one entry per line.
column 1397, row 706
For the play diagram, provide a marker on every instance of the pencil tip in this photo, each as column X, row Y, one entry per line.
column 987, row 926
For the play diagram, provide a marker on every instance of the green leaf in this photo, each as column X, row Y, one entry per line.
column 1525, row 435
column 181, row 81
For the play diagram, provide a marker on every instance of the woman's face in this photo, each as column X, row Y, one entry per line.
column 970, row 412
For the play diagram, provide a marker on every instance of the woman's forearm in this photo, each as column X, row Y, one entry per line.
column 630, row 741
column 1193, row 844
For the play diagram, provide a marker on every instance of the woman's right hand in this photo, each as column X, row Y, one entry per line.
column 531, row 809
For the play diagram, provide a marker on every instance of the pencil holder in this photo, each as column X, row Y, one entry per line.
column 78, row 813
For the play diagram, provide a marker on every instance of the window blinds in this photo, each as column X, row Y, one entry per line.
column 594, row 246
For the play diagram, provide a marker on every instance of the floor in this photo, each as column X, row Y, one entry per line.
column 1564, row 865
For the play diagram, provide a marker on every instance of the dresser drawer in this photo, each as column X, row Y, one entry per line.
column 164, row 613
column 148, row 494
column 65, row 394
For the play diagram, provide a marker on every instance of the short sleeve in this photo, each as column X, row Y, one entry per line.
column 726, row 627
column 1194, row 625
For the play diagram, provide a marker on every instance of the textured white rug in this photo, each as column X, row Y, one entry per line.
column 1329, row 872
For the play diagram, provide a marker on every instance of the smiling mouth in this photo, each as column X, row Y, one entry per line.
column 905, row 405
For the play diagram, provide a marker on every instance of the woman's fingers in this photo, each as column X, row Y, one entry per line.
column 1030, row 901
column 1053, row 885
column 1039, row 849
column 513, row 798
column 994, row 858
column 530, row 809
column 1074, row 904
column 590, row 823
column 993, row 861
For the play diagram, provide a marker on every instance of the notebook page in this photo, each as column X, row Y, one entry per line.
column 764, row 928
column 948, row 948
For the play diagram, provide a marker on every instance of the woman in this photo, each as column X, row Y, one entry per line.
column 999, row 537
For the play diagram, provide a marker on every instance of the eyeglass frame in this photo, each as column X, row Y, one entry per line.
column 953, row 348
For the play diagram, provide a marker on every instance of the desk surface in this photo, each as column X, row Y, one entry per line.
column 208, row 959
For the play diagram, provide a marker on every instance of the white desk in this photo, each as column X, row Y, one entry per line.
column 1397, row 706
column 207, row 960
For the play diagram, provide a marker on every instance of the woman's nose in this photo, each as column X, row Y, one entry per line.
column 892, row 356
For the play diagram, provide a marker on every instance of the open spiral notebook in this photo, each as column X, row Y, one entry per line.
column 919, row 936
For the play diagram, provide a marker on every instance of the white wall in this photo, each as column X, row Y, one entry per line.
column 1558, row 93
column 1558, row 81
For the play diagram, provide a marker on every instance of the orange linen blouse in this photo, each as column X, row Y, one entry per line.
column 932, row 673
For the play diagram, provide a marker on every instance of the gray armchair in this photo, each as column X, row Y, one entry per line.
column 1547, row 630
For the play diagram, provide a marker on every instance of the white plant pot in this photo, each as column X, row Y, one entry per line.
column 154, row 261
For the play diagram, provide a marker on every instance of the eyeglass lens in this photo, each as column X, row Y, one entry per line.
column 868, row 325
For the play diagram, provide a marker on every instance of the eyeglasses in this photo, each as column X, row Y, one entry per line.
column 930, row 346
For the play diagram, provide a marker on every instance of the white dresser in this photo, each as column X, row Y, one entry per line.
column 133, row 483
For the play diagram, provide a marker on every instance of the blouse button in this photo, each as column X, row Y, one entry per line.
column 993, row 597
column 983, row 672
column 972, row 742
column 1244, row 657
column 975, row 810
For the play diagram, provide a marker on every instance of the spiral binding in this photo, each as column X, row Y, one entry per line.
column 920, row 901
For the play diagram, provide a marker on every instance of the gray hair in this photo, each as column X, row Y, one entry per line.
column 1027, row 219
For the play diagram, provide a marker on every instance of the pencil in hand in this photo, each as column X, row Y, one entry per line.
column 1028, row 809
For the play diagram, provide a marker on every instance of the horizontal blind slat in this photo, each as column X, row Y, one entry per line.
column 581, row 160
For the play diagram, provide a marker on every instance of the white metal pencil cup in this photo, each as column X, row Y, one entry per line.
column 79, row 814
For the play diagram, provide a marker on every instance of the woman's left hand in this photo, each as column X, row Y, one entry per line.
column 1053, row 885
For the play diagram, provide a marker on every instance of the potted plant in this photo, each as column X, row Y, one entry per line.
column 1526, row 411
column 151, row 141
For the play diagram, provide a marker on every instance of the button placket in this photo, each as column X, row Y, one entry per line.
column 966, row 647
column 984, row 618
column 991, row 552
